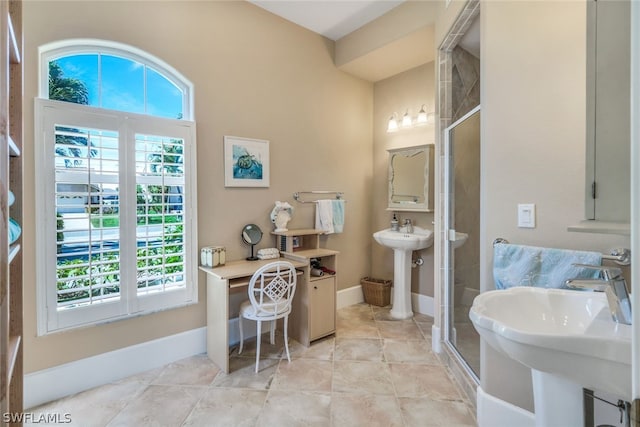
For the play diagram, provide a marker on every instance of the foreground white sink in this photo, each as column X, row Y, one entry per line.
column 403, row 244
column 568, row 334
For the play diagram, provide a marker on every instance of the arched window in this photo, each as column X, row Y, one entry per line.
column 113, row 76
column 116, row 185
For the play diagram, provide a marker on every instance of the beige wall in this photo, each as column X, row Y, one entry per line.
column 533, row 142
column 393, row 43
column 255, row 75
column 533, row 123
column 408, row 17
column 447, row 15
column 409, row 89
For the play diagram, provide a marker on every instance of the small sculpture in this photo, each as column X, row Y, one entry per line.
column 281, row 215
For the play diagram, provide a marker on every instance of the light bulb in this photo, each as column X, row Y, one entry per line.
column 393, row 124
column 422, row 116
column 406, row 120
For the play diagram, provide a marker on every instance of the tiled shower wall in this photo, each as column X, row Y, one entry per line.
column 465, row 82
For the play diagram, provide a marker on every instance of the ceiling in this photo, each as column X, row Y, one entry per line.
column 331, row 18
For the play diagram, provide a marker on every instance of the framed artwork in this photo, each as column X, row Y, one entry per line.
column 246, row 162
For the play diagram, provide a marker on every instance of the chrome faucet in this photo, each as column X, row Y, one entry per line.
column 613, row 285
column 408, row 225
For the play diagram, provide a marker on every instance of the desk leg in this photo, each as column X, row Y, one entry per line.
column 218, row 322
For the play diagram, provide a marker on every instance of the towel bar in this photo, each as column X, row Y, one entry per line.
column 620, row 256
column 296, row 195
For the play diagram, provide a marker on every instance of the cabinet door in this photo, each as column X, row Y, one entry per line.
column 608, row 111
column 322, row 307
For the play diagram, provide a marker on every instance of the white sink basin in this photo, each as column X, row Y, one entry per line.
column 421, row 238
column 562, row 332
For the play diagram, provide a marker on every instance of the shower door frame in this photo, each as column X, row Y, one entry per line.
column 448, row 255
column 447, row 355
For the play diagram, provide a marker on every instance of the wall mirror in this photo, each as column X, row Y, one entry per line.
column 251, row 235
column 411, row 179
column 607, row 189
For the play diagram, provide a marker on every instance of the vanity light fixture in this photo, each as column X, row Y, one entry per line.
column 393, row 123
column 423, row 118
column 406, row 120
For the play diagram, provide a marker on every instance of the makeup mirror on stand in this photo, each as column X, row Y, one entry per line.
column 251, row 235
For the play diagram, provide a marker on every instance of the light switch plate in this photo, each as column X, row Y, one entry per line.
column 526, row 215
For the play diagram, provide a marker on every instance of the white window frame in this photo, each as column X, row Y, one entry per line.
column 49, row 113
column 59, row 49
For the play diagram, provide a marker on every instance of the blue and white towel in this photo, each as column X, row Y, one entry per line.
column 338, row 215
column 330, row 216
column 519, row 265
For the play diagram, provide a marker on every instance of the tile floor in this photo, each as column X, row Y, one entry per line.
column 374, row 372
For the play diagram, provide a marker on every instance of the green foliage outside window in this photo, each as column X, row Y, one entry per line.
column 167, row 259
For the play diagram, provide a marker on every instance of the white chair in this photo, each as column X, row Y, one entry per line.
column 271, row 291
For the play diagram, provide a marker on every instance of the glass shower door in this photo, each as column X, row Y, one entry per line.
column 462, row 222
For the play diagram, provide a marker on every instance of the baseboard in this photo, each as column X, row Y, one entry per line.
column 349, row 296
column 494, row 412
column 63, row 380
column 436, row 342
column 422, row 304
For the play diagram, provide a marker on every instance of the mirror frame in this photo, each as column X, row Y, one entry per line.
column 427, row 205
column 251, row 227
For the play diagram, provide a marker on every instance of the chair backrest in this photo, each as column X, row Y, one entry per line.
column 272, row 288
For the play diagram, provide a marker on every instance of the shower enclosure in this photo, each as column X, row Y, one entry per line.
column 458, row 213
column 462, row 222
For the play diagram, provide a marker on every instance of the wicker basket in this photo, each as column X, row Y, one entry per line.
column 376, row 291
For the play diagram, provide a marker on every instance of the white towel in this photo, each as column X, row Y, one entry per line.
column 324, row 216
column 268, row 251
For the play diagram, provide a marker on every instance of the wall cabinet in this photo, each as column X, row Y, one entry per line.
column 11, row 94
column 608, row 179
column 314, row 307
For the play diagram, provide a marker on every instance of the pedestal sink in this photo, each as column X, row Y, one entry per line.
column 403, row 244
column 566, row 337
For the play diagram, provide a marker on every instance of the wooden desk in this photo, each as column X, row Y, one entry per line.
column 220, row 282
